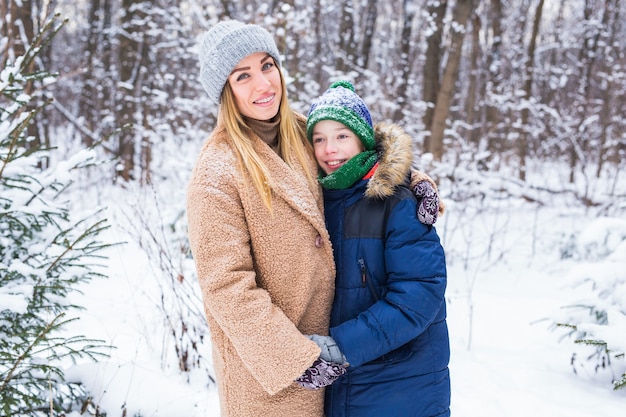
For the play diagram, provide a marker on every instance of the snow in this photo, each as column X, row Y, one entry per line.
column 15, row 298
column 509, row 280
column 515, row 366
column 521, row 259
column 143, row 389
column 603, row 237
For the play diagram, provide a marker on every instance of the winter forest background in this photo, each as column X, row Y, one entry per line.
column 516, row 108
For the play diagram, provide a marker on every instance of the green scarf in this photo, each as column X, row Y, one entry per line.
column 350, row 172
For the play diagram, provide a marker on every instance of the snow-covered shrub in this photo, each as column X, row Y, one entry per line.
column 161, row 234
column 44, row 253
column 595, row 318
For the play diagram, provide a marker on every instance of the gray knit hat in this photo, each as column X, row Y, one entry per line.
column 224, row 45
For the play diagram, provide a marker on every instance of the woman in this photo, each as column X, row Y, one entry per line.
column 388, row 319
column 257, row 231
column 257, row 234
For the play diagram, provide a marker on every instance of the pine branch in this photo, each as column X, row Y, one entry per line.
column 14, row 137
column 93, row 229
column 43, row 38
column 28, row 350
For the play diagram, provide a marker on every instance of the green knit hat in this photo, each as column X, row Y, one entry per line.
column 341, row 104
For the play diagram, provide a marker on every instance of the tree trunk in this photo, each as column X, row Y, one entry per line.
column 436, row 12
column 586, row 60
column 403, row 62
column 548, row 93
column 474, row 79
column 94, row 96
column 462, row 11
column 347, row 44
column 20, row 33
column 522, row 143
column 18, row 19
column 228, row 9
column 369, row 28
column 607, row 93
column 494, row 68
column 131, row 46
column 287, row 39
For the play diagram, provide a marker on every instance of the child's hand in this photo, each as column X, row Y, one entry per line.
column 428, row 204
column 330, row 350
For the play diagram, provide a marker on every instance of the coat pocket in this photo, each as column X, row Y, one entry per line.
column 366, row 280
column 398, row 355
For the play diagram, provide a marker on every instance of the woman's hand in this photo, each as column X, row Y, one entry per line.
column 320, row 374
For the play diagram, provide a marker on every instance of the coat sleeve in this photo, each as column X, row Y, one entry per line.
column 414, row 296
column 268, row 344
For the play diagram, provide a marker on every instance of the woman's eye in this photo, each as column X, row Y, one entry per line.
column 267, row 66
column 242, row 76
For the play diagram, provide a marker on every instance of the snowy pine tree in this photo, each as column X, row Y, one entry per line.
column 595, row 319
column 44, row 253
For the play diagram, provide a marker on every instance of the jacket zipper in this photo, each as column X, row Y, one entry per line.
column 364, row 280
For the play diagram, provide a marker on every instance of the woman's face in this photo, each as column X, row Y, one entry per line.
column 256, row 86
column 334, row 145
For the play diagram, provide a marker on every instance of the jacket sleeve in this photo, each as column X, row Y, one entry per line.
column 414, row 294
column 269, row 344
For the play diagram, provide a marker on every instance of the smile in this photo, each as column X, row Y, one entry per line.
column 335, row 163
column 265, row 100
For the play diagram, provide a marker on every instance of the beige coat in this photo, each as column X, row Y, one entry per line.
column 266, row 280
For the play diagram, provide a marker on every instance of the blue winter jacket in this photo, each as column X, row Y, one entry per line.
column 389, row 311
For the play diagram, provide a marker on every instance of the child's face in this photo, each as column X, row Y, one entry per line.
column 334, row 145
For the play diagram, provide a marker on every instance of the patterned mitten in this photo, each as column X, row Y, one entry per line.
column 428, row 202
column 320, row 374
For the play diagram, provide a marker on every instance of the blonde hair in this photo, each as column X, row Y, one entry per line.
column 291, row 142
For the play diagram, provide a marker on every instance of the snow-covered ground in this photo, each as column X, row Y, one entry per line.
column 507, row 277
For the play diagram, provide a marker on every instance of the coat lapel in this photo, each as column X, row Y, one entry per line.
column 292, row 186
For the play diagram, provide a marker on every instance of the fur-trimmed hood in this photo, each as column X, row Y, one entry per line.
column 395, row 149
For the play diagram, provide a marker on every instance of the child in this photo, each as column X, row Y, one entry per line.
column 388, row 320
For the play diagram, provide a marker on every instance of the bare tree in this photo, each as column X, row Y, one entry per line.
column 403, row 81
column 20, row 23
column 95, row 97
column 587, row 56
column 134, row 65
column 608, row 93
column 129, row 56
column 17, row 28
column 493, row 67
column 461, row 13
column 474, row 80
column 436, row 13
column 369, row 26
column 522, row 143
column 318, row 24
column 347, row 44
column 287, row 39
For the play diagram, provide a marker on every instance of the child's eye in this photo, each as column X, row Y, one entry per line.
column 317, row 139
column 342, row 136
